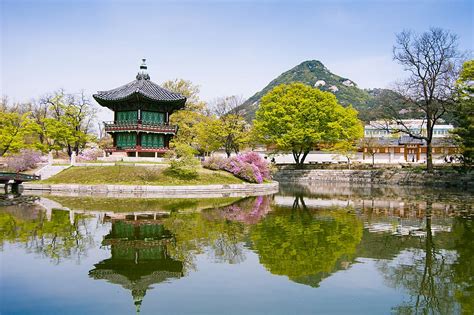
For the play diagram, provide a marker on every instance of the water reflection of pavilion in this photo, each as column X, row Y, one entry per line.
column 139, row 256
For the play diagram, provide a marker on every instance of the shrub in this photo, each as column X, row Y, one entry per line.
column 213, row 163
column 242, row 169
column 183, row 164
column 90, row 154
column 262, row 165
column 25, row 160
column 249, row 166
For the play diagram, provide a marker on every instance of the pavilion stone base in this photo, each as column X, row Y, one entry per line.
column 112, row 158
column 118, row 154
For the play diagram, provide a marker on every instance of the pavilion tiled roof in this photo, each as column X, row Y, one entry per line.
column 141, row 87
column 145, row 88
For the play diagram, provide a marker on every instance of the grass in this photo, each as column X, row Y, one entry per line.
column 126, row 162
column 131, row 175
column 141, row 204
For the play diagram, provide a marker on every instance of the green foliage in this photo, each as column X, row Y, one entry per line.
column 17, row 131
column 298, row 118
column 72, row 122
column 56, row 238
column 464, row 113
column 209, row 132
column 306, row 246
column 189, row 90
column 184, row 164
column 57, row 134
column 201, row 130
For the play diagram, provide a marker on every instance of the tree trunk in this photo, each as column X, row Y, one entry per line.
column 305, row 154
column 429, row 147
column 429, row 157
column 296, row 156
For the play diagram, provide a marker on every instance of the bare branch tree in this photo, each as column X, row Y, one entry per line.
column 227, row 105
column 432, row 60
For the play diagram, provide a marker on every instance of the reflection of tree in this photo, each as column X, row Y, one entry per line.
column 195, row 232
column 139, row 257
column 426, row 273
column 306, row 246
column 56, row 238
column 463, row 230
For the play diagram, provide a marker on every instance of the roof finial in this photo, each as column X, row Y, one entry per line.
column 143, row 74
column 143, row 65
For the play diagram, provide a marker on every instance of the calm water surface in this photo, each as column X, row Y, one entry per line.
column 323, row 249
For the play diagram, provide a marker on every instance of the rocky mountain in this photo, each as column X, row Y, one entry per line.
column 314, row 73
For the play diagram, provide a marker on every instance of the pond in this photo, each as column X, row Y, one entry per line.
column 321, row 249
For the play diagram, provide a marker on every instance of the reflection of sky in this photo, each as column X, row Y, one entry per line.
column 248, row 288
column 33, row 285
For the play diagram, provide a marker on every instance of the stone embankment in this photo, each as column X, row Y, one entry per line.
column 233, row 190
column 379, row 176
column 50, row 170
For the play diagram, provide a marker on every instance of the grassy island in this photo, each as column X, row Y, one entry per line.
column 138, row 175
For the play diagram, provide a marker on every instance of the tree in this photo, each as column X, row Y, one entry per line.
column 17, row 131
column 297, row 118
column 189, row 90
column 234, row 129
column 194, row 112
column 347, row 149
column 209, row 134
column 370, row 145
column 431, row 59
column 464, row 112
column 75, row 115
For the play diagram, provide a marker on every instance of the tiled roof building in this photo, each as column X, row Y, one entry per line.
column 141, row 116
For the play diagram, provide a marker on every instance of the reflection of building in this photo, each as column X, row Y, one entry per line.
column 141, row 116
column 139, row 257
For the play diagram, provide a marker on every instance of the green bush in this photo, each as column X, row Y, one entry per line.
column 183, row 164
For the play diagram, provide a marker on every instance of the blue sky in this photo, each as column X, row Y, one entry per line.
column 227, row 47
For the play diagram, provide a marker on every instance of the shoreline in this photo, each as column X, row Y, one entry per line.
column 384, row 177
column 226, row 190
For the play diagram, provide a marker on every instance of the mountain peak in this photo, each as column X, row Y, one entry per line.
column 315, row 74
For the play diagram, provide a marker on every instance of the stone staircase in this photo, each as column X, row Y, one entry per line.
column 51, row 170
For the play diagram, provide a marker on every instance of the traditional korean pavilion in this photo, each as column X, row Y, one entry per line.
column 141, row 116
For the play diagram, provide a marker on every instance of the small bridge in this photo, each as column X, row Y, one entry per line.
column 15, row 179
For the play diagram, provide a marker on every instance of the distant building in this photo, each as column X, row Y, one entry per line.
column 380, row 128
column 383, row 139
